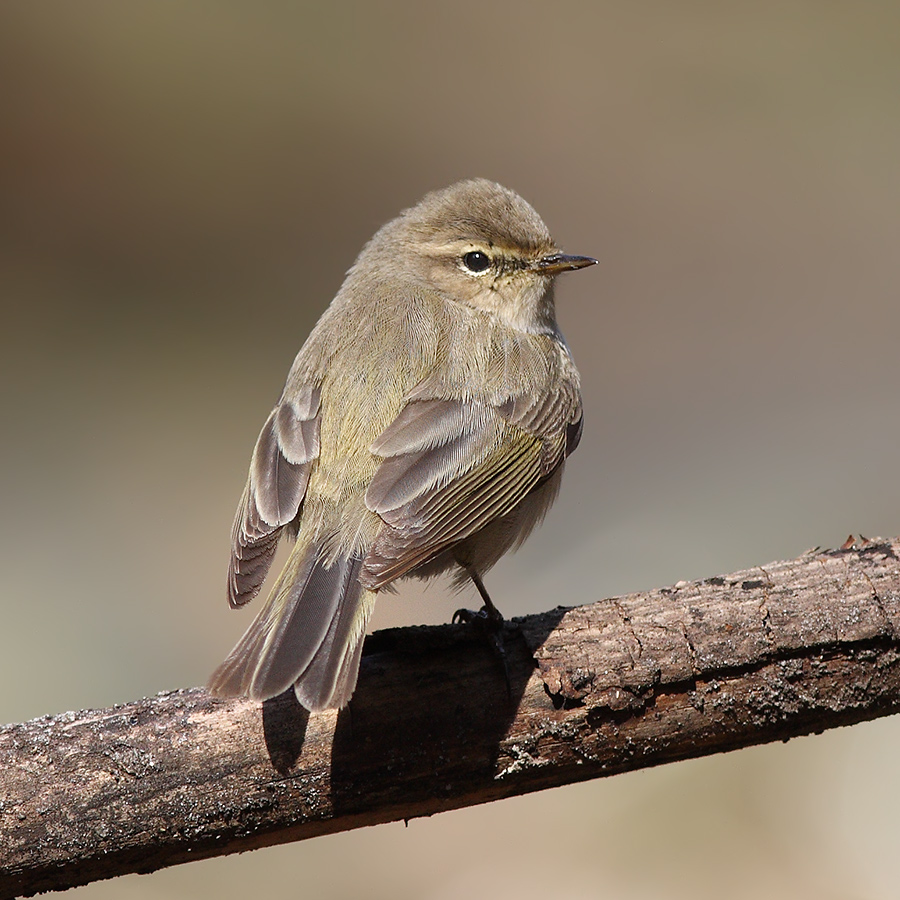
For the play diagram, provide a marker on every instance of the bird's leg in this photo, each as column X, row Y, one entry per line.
column 488, row 619
column 488, row 612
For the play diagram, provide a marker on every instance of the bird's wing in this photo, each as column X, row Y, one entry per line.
column 276, row 486
column 452, row 466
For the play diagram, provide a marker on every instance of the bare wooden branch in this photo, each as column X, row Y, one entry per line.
column 762, row 655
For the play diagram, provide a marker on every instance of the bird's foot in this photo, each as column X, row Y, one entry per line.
column 488, row 622
column 488, row 618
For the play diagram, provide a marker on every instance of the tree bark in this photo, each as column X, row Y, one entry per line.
column 762, row 655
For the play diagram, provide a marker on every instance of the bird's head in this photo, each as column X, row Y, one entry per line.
column 480, row 244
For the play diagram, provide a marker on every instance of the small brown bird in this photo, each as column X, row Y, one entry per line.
column 423, row 428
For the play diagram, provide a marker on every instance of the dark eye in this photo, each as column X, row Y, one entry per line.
column 476, row 261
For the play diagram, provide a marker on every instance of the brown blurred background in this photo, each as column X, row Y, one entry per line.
column 182, row 186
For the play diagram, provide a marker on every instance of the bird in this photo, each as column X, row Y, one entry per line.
column 423, row 429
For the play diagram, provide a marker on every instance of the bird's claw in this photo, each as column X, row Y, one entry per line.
column 489, row 622
column 487, row 618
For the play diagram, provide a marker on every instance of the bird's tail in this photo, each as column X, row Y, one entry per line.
column 309, row 634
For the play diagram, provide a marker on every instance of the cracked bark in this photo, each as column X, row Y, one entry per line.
column 762, row 655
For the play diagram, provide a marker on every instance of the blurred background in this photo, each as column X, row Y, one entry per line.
column 183, row 185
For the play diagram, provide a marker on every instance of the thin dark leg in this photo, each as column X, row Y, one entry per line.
column 490, row 610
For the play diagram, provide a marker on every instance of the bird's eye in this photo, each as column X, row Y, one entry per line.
column 476, row 261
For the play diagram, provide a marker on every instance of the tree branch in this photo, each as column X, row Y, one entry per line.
column 762, row 655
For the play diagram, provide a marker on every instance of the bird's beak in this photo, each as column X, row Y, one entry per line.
column 561, row 262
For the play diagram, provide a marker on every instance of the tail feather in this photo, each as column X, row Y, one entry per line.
column 329, row 679
column 308, row 634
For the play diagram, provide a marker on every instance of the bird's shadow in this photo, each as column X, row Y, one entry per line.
column 284, row 723
column 430, row 711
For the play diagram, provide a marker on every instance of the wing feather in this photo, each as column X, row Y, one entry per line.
column 276, row 486
column 451, row 467
column 407, row 474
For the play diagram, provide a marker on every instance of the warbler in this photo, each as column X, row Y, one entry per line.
column 423, row 428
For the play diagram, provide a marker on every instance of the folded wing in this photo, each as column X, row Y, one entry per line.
column 452, row 466
column 276, row 486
